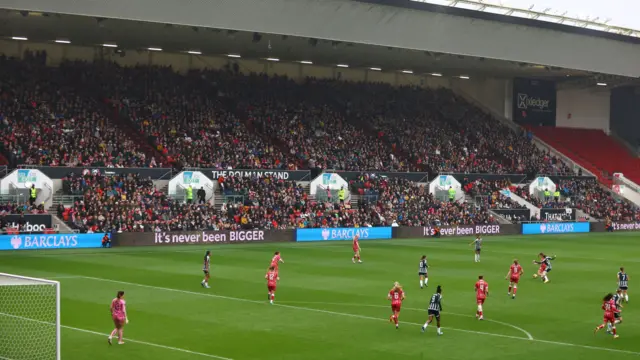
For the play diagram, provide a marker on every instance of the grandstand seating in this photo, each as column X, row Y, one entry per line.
column 223, row 119
column 593, row 149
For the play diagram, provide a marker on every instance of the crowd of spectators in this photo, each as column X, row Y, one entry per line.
column 46, row 120
column 589, row 196
column 409, row 203
column 492, row 193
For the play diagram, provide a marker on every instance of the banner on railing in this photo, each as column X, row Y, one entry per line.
column 555, row 228
column 514, row 215
column 292, row 175
column 50, row 241
column 32, row 223
column 201, row 237
column 547, row 214
column 411, row 176
column 459, row 230
column 364, row 233
column 59, row 172
column 534, row 102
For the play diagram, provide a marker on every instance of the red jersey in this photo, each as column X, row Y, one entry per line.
column 609, row 308
column 482, row 289
column 396, row 296
column 276, row 260
column 272, row 278
column 356, row 246
column 516, row 270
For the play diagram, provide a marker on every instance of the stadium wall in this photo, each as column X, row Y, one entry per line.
column 489, row 91
column 583, row 108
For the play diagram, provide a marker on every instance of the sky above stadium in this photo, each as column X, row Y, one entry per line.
column 622, row 13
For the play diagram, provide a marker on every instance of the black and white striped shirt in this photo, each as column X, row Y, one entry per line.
column 423, row 266
column 623, row 279
column 435, row 303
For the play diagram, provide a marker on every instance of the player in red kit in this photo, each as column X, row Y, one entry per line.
column 482, row 291
column 396, row 295
column 514, row 277
column 272, row 281
column 356, row 250
column 609, row 307
column 276, row 260
column 119, row 317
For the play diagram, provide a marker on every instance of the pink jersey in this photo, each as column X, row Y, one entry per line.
column 118, row 308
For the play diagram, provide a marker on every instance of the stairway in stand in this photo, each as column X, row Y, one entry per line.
column 594, row 150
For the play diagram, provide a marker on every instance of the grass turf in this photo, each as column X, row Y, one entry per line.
column 328, row 307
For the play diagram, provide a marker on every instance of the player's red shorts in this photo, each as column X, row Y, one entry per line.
column 515, row 279
column 271, row 287
column 396, row 307
column 542, row 269
column 480, row 300
column 608, row 318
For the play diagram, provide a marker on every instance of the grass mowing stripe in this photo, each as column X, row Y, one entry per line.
column 529, row 336
column 128, row 339
column 359, row 316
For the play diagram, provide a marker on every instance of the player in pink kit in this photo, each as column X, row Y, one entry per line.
column 609, row 307
column 482, row 291
column 272, row 282
column 356, row 250
column 276, row 260
column 119, row 316
column 514, row 277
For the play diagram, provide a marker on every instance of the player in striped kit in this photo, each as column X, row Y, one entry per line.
column 206, row 266
column 617, row 300
column 422, row 271
column 623, row 283
column 545, row 267
column 435, row 306
column 477, row 247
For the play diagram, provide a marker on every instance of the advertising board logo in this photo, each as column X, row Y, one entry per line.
column 28, row 227
column 543, row 228
column 329, row 179
column 208, row 237
column 526, row 102
column 325, row 234
column 445, row 180
column 25, row 176
column 190, row 178
column 16, row 241
column 463, row 230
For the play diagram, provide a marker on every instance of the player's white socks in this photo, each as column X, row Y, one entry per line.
column 426, row 281
column 421, row 284
column 425, row 325
column 477, row 258
column 626, row 297
column 439, row 331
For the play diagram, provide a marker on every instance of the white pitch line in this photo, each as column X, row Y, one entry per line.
column 359, row 316
column 529, row 336
column 127, row 339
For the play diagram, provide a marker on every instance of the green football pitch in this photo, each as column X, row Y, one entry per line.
column 329, row 308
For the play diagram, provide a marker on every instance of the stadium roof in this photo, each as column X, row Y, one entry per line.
column 140, row 36
column 613, row 16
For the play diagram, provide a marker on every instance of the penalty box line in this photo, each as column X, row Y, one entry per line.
column 559, row 343
column 101, row 334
